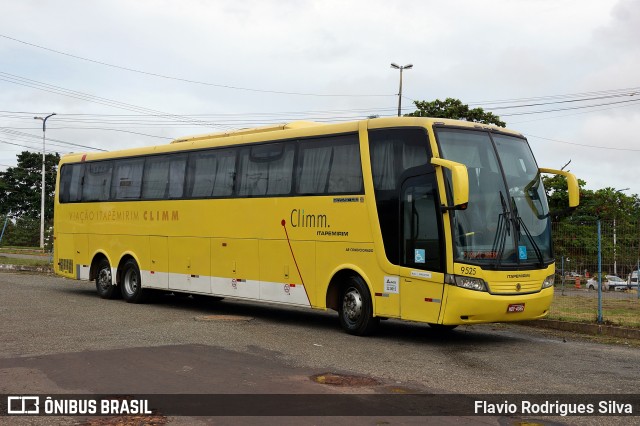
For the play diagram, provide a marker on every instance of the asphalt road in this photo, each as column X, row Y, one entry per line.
column 57, row 336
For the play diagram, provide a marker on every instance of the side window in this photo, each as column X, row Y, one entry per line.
column 177, row 173
column 421, row 243
column 97, row 181
column 330, row 166
column 71, row 183
column 393, row 151
column 345, row 175
column 164, row 176
column 211, row 173
column 127, row 179
column 266, row 169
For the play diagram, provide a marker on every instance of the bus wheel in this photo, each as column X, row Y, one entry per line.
column 356, row 309
column 104, row 283
column 131, row 284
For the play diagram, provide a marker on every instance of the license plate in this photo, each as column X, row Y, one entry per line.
column 516, row 307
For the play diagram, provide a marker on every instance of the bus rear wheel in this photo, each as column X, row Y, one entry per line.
column 104, row 282
column 131, row 283
column 356, row 309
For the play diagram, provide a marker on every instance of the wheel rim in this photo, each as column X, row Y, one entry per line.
column 131, row 283
column 352, row 305
column 104, row 278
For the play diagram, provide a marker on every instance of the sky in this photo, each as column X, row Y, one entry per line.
column 121, row 74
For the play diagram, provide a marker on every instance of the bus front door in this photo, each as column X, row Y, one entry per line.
column 422, row 258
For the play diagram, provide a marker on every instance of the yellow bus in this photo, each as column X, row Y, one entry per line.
column 431, row 220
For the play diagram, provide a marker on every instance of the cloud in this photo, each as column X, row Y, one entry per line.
column 471, row 50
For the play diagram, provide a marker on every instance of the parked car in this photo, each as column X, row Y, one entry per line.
column 592, row 284
column 616, row 283
column 632, row 280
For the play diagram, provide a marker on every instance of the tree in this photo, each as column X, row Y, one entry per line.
column 605, row 204
column 455, row 109
column 25, row 232
column 558, row 196
column 20, row 186
column 575, row 232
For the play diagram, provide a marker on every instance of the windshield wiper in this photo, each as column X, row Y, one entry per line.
column 519, row 223
column 503, row 229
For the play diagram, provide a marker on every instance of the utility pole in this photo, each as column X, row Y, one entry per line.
column 401, row 68
column 44, row 130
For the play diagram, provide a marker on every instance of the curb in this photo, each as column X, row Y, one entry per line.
column 584, row 328
column 26, row 268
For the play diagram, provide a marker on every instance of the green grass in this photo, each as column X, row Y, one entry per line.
column 25, row 262
column 623, row 312
column 22, row 250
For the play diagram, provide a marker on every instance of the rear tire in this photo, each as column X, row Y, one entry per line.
column 356, row 309
column 131, row 283
column 104, row 281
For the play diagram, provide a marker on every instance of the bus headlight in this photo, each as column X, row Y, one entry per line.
column 548, row 282
column 476, row 284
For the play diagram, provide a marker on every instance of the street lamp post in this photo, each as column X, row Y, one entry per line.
column 400, row 67
column 44, row 130
column 615, row 263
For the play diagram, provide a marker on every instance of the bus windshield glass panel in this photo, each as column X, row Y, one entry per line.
column 507, row 221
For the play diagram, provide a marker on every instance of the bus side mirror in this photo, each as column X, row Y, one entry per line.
column 459, row 182
column 572, row 185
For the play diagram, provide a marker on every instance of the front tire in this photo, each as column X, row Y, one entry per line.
column 104, row 281
column 131, row 283
column 356, row 309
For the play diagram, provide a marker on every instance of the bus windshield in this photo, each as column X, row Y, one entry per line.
column 507, row 221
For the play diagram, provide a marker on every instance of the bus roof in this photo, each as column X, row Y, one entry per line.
column 275, row 132
column 249, row 131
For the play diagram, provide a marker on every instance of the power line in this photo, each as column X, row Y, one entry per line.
column 185, row 80
column 583, row 145
column 25, row 168
column 23, row 81
column 575, row 113
column 218, row 116
column 570, row 108
column 23, row 146
column 564, row 101
column 23, row 135
column 560, row 96
column 112, row 130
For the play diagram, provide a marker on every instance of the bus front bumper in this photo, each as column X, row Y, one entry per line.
column 473, row 307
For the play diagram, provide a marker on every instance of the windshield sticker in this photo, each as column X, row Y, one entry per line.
column 522, row 251
column 420, row 256
column 480, row 254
